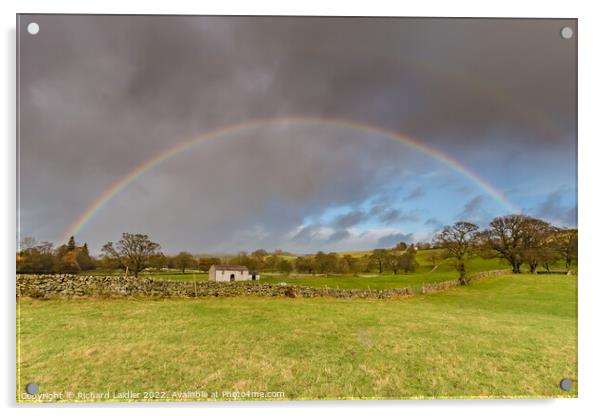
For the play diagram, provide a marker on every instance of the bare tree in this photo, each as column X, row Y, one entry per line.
column 401, row 246
column 565, row 242
column 380, row 257
column 434, row 257
column 458, row 240
column 516, row 238
column 547, row 256
column 285, row 266
column 132, row 251
column 396, row 259
column 184, row 260
column 305, row 264
column 407, row 261
column 326, row 263
column 35, row 257
column 393, row 261
column 347, row 264
column 537, row 236
column 27, row 243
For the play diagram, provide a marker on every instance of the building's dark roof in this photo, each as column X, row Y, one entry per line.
column 229, row 267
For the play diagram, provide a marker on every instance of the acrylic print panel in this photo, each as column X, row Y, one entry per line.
column 290, row 208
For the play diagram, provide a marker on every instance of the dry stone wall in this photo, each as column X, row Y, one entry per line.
column 70, row 286
column 439, row 286
column 53, row 286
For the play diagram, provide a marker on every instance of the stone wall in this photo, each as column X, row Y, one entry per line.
column 439, row 286
column 56, row 286
column 53, row 286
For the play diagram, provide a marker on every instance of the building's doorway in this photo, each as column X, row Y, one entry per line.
column 253, row 277
column 231, row 277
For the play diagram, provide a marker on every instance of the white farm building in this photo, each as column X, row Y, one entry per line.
column 226, row 273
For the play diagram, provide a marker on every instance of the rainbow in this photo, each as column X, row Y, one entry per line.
column 149, row 164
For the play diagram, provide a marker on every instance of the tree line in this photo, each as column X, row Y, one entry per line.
column 42, row 257
column 400, row 258
column 134, row 253
column 517, row 239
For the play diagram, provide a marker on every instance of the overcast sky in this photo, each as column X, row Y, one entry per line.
column 99, row 95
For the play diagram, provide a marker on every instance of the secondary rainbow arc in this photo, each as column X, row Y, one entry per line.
column 149, row 164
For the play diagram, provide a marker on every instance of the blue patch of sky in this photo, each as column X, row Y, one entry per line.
column 526, row 178
column 445, row 197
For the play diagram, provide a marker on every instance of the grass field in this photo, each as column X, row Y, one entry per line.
column 501, row 336
column 372, row 280
column 445, row 271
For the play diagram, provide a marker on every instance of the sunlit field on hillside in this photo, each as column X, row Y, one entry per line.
column 502, row 336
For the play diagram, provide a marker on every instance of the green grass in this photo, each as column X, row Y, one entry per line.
column 445, row 271
column 372, row 280
column 166, row 275
column 502, row 336
column 362, row 281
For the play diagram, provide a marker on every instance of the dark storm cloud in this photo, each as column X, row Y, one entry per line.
column 472, row 207
column 392, row 239
column 381, row 213
column 306, row 234
column 553, row 209
column 434, row 223
column 476, row 211
column 338, row 236
column 393, row 216
column 101, row 94
column 415, row 194
column 260, row 188
column 349, row 220
column 388, row 215
column 191, row 73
